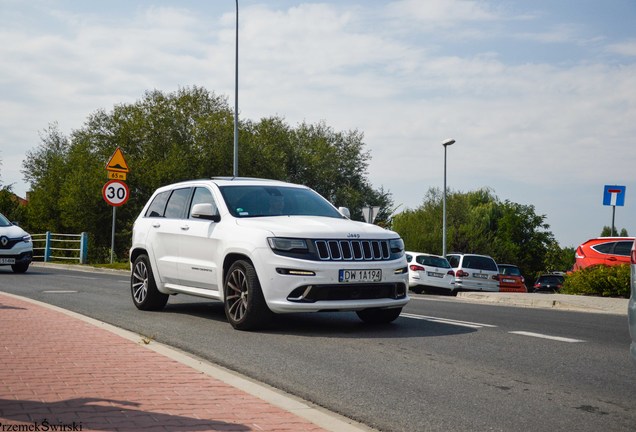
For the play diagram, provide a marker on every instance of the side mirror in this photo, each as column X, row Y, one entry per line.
column 205, row 211
column 345, row 212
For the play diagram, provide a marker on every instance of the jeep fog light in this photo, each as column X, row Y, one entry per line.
column 295, row 272
column 402, row 271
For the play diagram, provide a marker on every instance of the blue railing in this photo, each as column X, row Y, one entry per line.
column 50, row 246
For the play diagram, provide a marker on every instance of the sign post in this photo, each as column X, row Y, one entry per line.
column 115, row 192
column 614, row 195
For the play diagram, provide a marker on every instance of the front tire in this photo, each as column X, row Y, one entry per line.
column 417, row 289
column 379, row 316
column 144, row 291
column 245, row 306
column 20, row 268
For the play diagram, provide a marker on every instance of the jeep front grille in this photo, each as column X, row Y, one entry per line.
column 353, row 250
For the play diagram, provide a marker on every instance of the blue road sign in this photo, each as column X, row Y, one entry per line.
column 614, row 195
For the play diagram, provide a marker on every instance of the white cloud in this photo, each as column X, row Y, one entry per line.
column 626, row 48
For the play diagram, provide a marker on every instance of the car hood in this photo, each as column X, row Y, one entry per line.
column 12, row 231
column 316, row 227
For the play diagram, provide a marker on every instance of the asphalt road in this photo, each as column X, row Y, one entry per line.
column 446, row 364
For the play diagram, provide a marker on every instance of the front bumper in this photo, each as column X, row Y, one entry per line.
column 295, row 285
column 12, row 259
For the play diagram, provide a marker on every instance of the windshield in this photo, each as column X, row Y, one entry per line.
column 433, row 261
column 4, row 221
column 259, row 201
column 509, row 270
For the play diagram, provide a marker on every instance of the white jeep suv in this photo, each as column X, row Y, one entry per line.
column 263, row 247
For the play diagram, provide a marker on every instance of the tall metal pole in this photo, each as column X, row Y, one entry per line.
column 613, row 216
column 446, row 143
column 235, row 170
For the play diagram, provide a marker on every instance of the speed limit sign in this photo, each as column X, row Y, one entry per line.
column 115, row 193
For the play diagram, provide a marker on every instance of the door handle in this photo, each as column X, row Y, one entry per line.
column 185, row 227
column 156, row 225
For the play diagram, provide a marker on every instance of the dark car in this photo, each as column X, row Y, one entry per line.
column 548, row 283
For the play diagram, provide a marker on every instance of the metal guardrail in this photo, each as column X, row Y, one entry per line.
column 51, row 246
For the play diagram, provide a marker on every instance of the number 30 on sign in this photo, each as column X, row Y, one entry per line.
column 115, row 193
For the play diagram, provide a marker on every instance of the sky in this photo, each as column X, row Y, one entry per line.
column 540, row 96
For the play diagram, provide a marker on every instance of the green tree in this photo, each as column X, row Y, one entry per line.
column 607, row 232
column 169, row 137
column 557, row 258
column 45, row 168
column 10, row 206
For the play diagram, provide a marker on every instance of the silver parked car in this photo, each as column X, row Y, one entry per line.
column 631, row 309
column 474, row 272
column 429, row 271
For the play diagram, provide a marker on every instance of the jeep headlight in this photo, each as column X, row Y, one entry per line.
column 397, row 246
column 287, row 244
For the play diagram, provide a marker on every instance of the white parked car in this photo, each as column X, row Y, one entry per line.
column 263, row 247
column 474, row 272
column 429, row 271
column 16, row 246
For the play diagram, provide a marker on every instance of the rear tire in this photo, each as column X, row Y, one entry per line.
column 20, row 268
column 245, row 306
column 379, row 316
column 144, row 291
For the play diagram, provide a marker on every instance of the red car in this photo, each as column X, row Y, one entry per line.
column 607, row 251
column 510, row 279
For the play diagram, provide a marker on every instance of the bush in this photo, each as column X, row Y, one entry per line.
column 599, row 280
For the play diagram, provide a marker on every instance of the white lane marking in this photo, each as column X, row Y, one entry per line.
column 447, row 321
column 543, row 336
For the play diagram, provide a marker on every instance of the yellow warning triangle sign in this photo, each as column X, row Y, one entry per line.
column 117, row 163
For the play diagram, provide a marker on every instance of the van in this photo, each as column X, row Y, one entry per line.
column 474, row 272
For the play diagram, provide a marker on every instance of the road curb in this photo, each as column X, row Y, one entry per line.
column 606, row 305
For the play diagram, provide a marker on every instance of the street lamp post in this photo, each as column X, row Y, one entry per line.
column 445, row 143
column 236, row 65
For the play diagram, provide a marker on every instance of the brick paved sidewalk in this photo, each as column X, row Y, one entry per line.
column 57, row 370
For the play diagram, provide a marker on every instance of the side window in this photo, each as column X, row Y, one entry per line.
column 177, row 203
column 604, row 248
column 623, row 248
column 201, row 196
column 409, row 258
column 453, row 260
column 158, row 205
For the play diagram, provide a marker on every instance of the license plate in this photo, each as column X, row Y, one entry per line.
column 480, row 275
column 7, row 260
column 360, row 276
column 508, row 280
column 435, row 274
